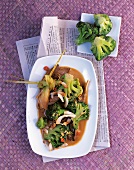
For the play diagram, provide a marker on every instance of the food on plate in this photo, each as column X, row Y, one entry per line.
column 102, row 46
column 103, row 22
column 96, row 33
column 87, row 32
column 42, row 122
column 62, row 107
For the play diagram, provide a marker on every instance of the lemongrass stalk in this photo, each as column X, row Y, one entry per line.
column 21, row 82
column 52, row 71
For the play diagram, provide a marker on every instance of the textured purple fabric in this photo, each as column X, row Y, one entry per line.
column 20, row 19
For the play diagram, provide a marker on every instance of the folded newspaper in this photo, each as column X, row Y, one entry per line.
column 57, row 35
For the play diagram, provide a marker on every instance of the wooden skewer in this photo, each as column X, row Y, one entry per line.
column 52, row 71
column 23, row 82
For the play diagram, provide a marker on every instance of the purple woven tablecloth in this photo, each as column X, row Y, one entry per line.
column 20, row 19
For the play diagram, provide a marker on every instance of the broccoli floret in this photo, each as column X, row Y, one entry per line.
column 41, row 123
column 73, row 89
column 72, row 106
column 82, row 113
column 54, row 136
column 54, row 111
column 87, row 32
column 102, row 47
column 75, row 86
column 104, row 23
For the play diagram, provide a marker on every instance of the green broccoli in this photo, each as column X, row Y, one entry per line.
column 41, row 123
column 72, row 106
column 87, row 32
column 102, row 47
column 103, row 22
column 55, row 135
column 73, row 89
column 54, row 111
column 82, row 113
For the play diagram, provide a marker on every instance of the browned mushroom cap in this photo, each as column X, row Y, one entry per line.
column 53, row 100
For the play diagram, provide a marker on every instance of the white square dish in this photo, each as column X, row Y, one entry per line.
column 114, row 33
column 84, row 146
